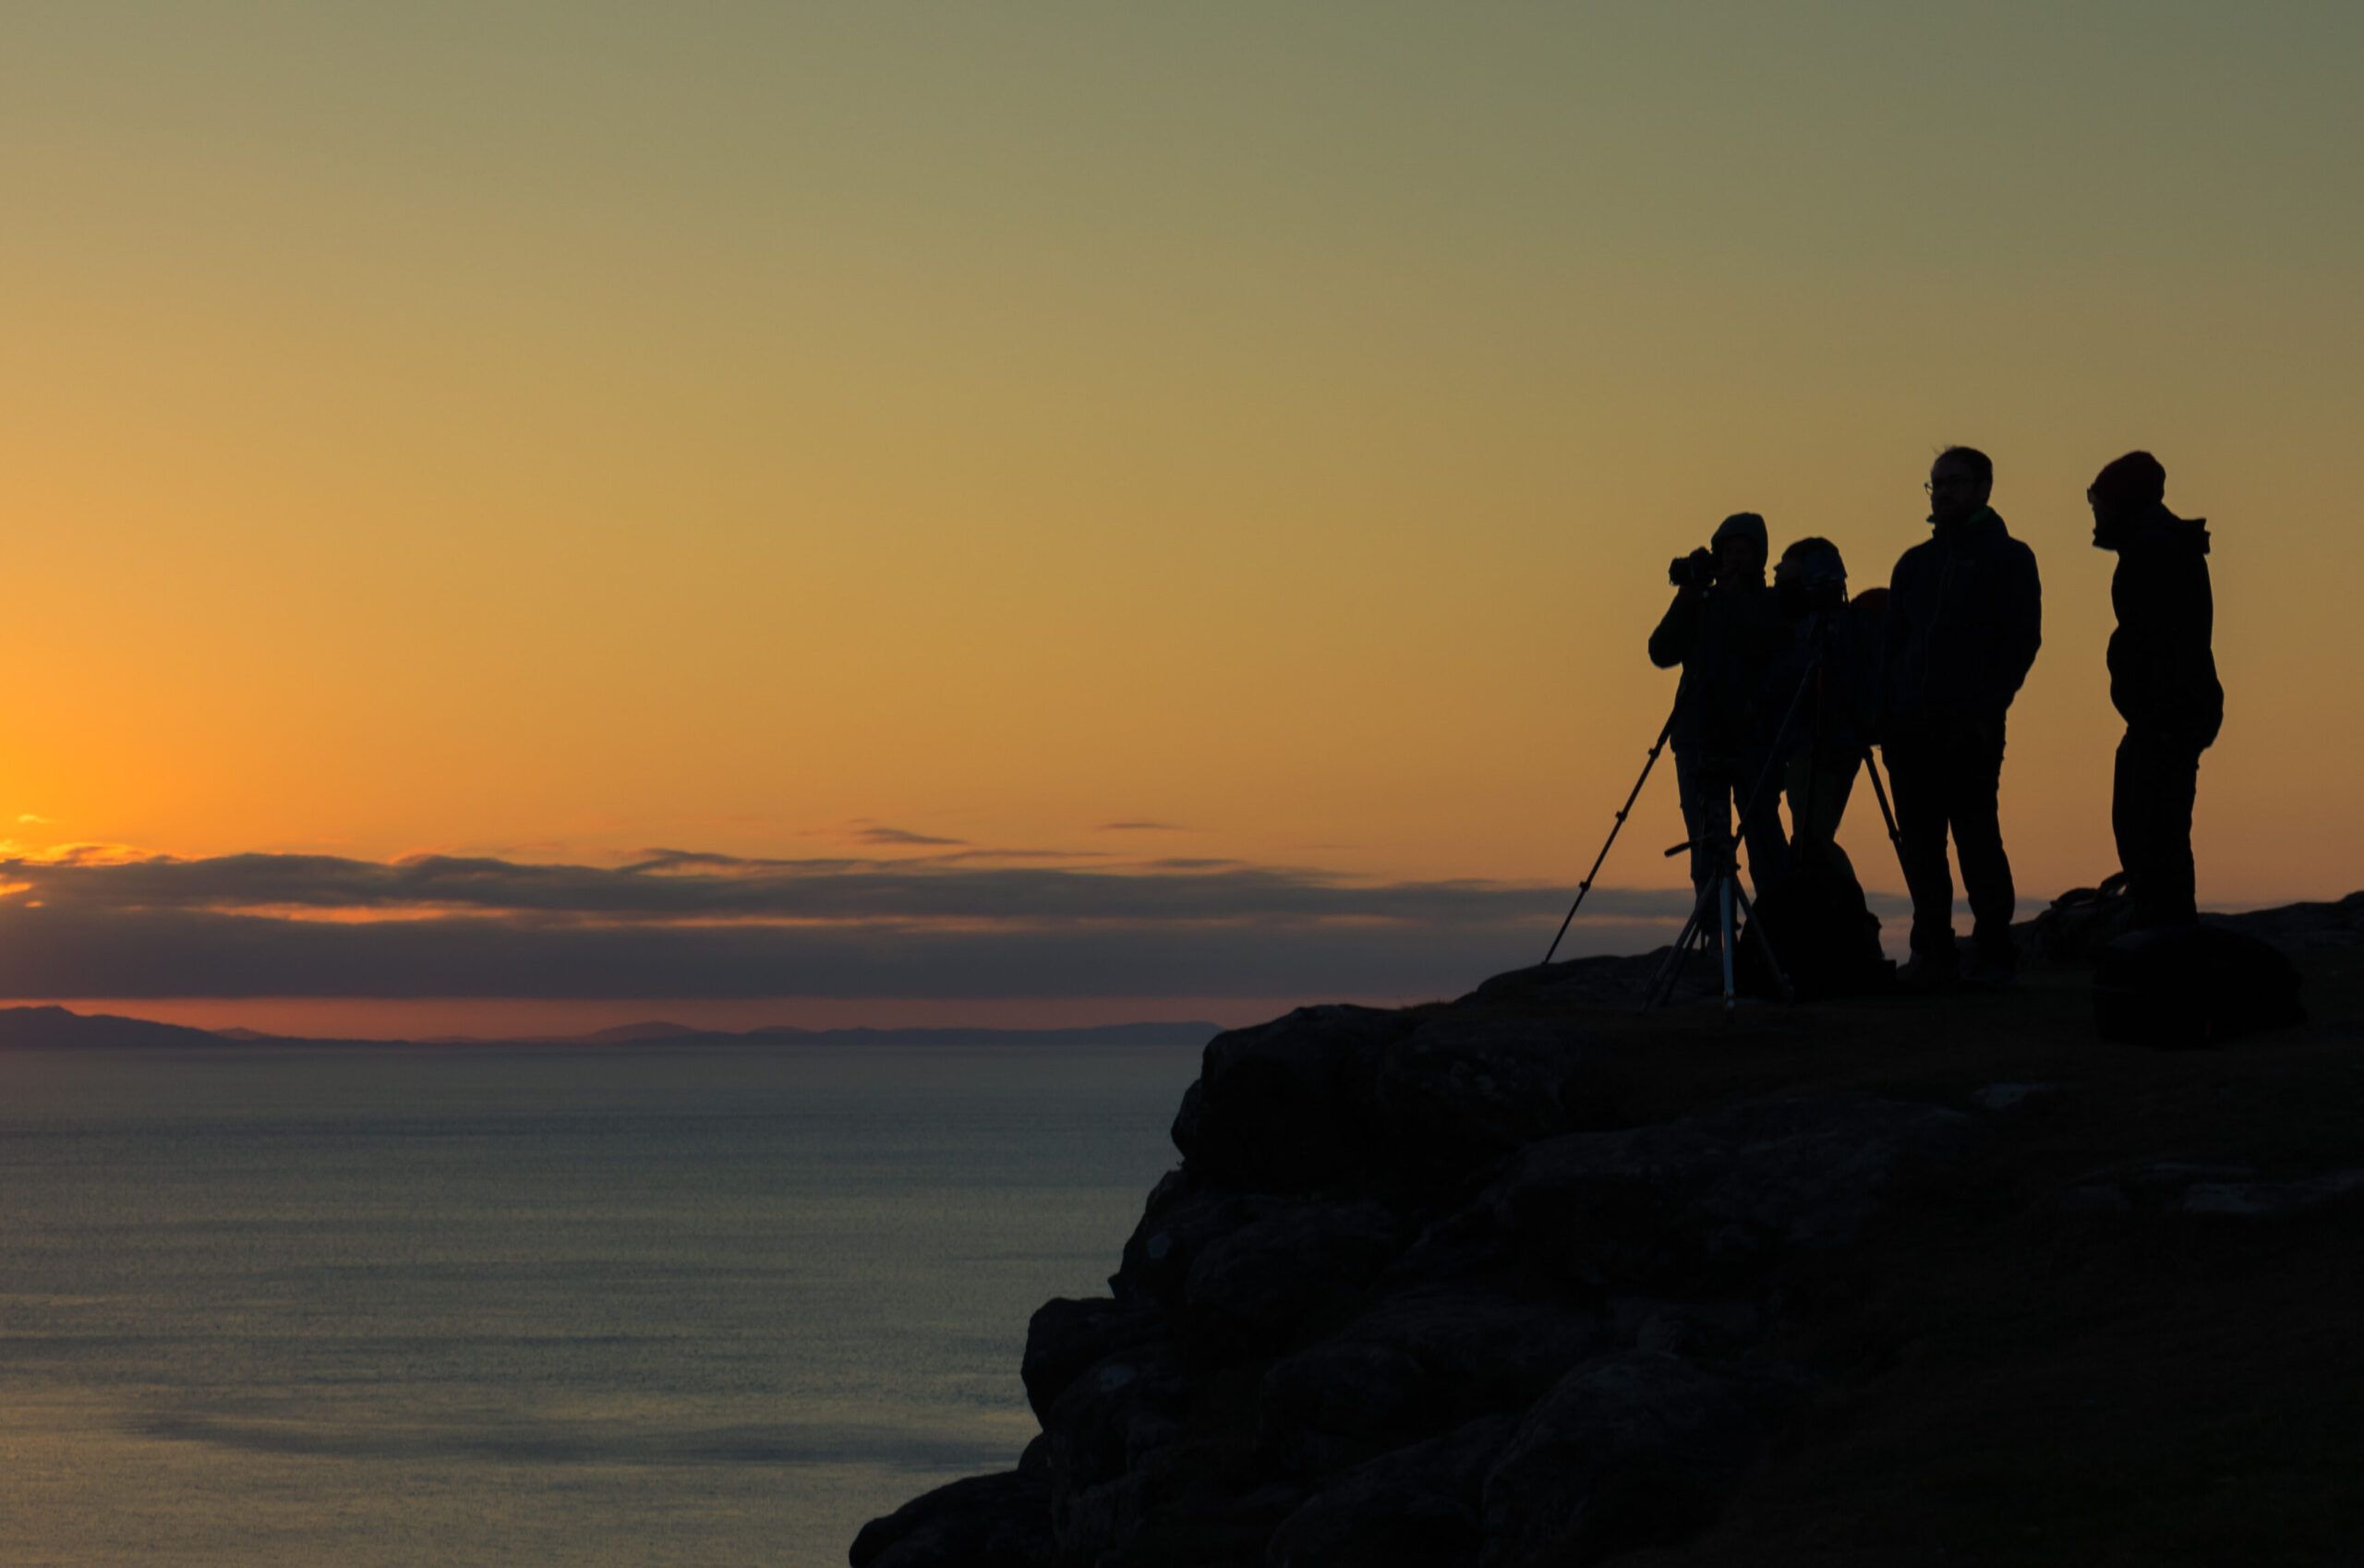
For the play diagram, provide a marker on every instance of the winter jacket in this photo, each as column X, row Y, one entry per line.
column 2162, row 670
column 1725, row 639
column 1840, row 712
column 1964, row 619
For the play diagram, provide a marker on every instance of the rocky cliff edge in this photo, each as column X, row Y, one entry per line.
column 1529, row 1278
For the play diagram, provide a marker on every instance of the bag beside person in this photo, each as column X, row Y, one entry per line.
column 2180, row 986
column 1823, row 934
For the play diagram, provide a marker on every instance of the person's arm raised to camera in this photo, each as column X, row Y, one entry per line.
column 1671, row 644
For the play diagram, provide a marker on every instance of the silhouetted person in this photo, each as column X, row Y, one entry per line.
column 1964, row 622
column 1824, row 692
column 1723, row 627
column 2162, row 677
column 1837, row 642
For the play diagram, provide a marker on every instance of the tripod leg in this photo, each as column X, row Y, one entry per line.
column 1623, row 812
column 1727, row 891
column 1887, row 813
column 1662, row 984
column 1765, row 944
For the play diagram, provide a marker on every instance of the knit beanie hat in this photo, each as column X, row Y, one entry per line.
column 1741, row 524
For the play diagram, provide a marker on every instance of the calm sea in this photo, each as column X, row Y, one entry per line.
column 458, row 1305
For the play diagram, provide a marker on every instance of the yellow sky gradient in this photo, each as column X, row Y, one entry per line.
column 558, row 429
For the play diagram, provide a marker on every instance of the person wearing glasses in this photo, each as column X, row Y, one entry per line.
column 2161, row 679
column 1964, row 622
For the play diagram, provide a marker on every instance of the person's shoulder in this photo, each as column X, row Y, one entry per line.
column 2000, row 541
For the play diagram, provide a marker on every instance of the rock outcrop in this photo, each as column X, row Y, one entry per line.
column 1520, row 1281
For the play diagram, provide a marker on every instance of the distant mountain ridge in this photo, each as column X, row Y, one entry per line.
column 49, row 1028
column 52, row 1028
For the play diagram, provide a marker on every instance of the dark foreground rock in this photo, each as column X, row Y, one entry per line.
column 1525, row 1281
column 982, row 1522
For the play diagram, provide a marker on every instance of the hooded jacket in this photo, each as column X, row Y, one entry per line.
column 2162, row 668
column 1965, row 617
column 1723, row 637
column 1838, row 716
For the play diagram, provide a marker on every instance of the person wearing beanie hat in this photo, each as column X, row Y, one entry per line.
column 1723, row 629
column 1744, row 528
column 2161, row 679
column 1964, row 622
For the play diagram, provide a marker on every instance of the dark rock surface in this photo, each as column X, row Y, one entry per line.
column 1525, row 1280
column 1456, row 1094
column 1415, row 1507
column 1066, row 1337
column 1284, row 1106
column 981, row 1522
column 1708, row 1197
column 1637, row 1448
column 1254, row 1287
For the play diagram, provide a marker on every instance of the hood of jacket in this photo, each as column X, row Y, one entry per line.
column 2158, row 529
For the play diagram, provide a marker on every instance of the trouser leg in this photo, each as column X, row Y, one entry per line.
column 2132, row 821
column 1818, row 802
column 2178, row 790
column 1975, row 786
column 1917, row 785
column 1700, row 818
column 1768, row 846
column 2157, row 780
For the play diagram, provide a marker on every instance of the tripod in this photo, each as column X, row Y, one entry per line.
column 1721, row 898
column 1623, row 811
column 1723, row 890
column 1721, row 893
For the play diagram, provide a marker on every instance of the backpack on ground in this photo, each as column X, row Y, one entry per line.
column 2180, row 986
column 1824, row 935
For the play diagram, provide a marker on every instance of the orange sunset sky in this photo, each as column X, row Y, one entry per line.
column 1017, row 513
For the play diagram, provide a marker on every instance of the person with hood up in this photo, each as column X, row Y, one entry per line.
column 1964, row 622
column 2161, row 679
column 1827, row 684
column 1838, row 640
column 1723, row 629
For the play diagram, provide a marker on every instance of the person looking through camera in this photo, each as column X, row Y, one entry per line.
column 1724, row 629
